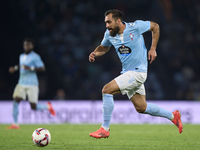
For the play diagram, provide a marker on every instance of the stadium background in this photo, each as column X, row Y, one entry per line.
column 66, row 32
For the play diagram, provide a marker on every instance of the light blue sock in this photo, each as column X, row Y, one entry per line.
column 108, row 106
column 154, row 110
column 41, row 106
column 15, row 111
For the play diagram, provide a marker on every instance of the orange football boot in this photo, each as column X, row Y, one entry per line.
column 51, row 110
column 13, row 126
column 177, row 120
column 101, row 133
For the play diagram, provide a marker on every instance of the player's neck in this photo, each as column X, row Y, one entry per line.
column 122, row 26
column 28, row 52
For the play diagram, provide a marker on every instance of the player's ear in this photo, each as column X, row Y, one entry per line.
column 118, row 21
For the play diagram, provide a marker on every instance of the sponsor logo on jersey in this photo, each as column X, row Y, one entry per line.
column 124, row 50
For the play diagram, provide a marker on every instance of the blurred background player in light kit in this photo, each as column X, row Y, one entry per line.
column 29, row 63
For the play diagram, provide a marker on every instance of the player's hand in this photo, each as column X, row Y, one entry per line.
column 26, row 67
column 92, row 57
column 11, row 70
column 152, row 55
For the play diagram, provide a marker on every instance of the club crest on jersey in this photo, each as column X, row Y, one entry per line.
column 124, row 50
column 131, row 36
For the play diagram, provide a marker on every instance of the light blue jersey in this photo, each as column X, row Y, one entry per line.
column 130, row 46
column 28, row 77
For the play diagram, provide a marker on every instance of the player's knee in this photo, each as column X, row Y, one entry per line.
column 140, row 109
column 17, row 99
column 105, row 89
column 33, row 106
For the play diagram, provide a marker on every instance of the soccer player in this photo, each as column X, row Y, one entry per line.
column 129, row 43
column 29, row 63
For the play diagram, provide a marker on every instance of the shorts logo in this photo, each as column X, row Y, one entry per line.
column 124, row 50
column 131, row 80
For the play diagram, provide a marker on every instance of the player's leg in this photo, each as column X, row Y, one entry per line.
column 108, row 102
column 18, row 95
column 33, row 92
column 108, row 105
column 139, row 101
column 136, row 93
column 16, row 109
column 15, row 113
column 33, row 106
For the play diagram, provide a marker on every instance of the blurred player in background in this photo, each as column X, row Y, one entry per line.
column 29, row 63
column 129, row 43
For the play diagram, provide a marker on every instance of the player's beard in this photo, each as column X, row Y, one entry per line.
column 114, row 31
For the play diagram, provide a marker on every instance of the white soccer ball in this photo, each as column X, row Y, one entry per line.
column 41, row 137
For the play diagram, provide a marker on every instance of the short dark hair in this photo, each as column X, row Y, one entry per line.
column 116, row 14
column 29, row 40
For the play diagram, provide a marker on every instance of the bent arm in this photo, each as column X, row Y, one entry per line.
column 155, row 30
column 12, row 69
column 99, row 51
column 37, row 69
column 40, row 69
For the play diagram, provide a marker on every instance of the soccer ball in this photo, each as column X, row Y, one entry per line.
column 41, row 137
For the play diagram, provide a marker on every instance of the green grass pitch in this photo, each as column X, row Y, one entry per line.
column 122, row 137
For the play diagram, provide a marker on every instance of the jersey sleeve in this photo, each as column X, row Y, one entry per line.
column 143, row 26
column 105, row 41
column 38, row 62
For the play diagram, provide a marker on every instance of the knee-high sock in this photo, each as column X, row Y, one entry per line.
column 154, row 110
column 41, row 106
column 108, row 106
column 15, row 111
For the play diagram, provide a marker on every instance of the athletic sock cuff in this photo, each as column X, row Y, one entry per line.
column 108, row 95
